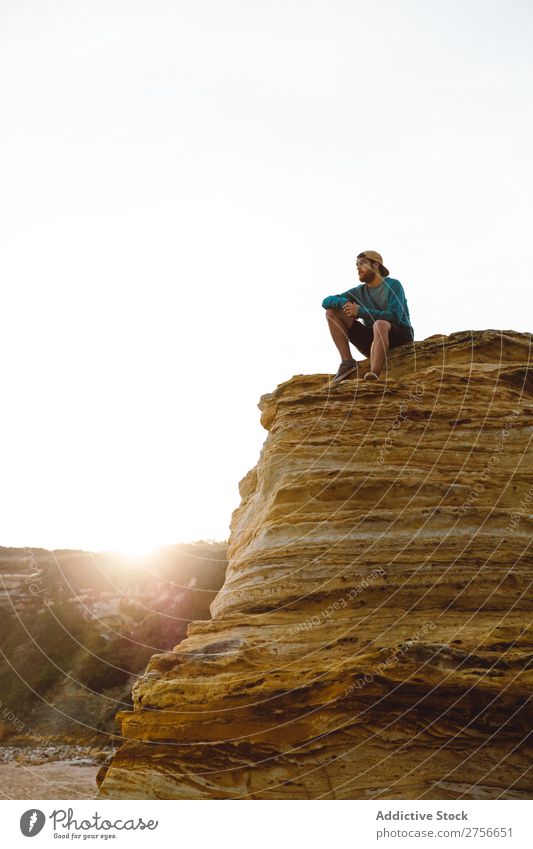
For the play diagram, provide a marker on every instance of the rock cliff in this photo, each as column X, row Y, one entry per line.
column 373, row 636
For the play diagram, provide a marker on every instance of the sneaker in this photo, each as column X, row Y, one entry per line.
column 370, row 375
column 346, row 368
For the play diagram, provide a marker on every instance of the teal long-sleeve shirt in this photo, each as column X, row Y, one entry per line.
column 396, row 310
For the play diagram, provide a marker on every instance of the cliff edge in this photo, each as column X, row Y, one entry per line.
column 373, row 636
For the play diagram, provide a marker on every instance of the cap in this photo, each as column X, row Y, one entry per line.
column 377, row 258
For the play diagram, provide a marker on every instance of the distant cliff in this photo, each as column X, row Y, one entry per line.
column 373, row 635
column 76, row 630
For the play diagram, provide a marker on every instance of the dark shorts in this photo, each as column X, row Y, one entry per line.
column 362, row 336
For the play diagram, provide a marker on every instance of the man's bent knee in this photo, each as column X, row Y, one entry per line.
column 381, row 325
column 338, row 315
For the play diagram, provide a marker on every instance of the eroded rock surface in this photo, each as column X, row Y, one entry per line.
column 373, row 636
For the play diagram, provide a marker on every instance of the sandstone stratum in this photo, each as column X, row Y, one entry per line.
column 373, row 635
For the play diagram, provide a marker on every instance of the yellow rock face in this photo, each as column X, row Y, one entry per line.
column 373, row 636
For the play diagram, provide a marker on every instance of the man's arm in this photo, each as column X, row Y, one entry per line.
column 336, row 302
column 395, row 306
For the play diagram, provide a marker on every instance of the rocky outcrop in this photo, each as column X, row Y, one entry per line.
column 373, row 635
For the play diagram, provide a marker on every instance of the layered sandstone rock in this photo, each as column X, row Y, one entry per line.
column 373, row 636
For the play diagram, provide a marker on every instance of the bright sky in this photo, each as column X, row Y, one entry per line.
column 182, row 184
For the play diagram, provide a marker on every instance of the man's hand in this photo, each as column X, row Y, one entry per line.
column 350, row 309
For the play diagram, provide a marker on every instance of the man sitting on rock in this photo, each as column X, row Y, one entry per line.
column 380, row 302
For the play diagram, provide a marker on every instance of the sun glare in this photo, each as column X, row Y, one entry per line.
column 136, row 551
